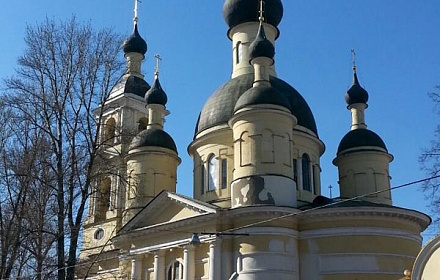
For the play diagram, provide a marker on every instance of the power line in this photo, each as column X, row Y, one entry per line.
column 96, row 259
column 333, row 204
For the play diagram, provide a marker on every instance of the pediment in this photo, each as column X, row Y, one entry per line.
column 166, row 208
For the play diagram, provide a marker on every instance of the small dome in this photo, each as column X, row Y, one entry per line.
column 261, row 47
column 135, row 43
column 153, row 137
column 219, row 108
column 262, row 95
column 136, row 86
column 356, row 93
column 360, row 138
column 156, row 95
column 236, row 12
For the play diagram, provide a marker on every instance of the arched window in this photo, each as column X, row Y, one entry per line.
column 110, row 130
column 175, row 271
column 103, row 198
column 142, row 124
column 239, row 52
column 213, row 173
column 306, row 173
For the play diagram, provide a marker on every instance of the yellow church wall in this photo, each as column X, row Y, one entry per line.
column 91, row 245
column 365, row 173
column 360, row 221
column 359, row 242
column 201, row 261
column 244, row 34
column 144, row 179
column 340, row 256
column 256, row 124
column 201, row 149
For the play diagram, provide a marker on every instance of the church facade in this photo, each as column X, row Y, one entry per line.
column 257, row 211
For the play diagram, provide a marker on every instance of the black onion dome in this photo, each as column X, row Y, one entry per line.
column 262, row 94
column 153, row 137
column 135, row 43
column 356, row 93
column 261, row 47
column 219, row 108
column 360, row 138
column 156, row 95
column 136, row 86
column 236, row 12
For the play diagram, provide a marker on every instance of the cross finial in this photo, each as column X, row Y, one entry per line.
column 353, row 58
column 261, row 11
column 330, row 189
column 135, row 19
column 156, row 69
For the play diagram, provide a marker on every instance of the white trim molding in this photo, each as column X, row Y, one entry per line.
column 359, row 231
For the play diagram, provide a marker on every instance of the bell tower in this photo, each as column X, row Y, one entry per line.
column 122, row 115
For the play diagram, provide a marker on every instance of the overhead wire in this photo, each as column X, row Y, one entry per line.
column 96, row 259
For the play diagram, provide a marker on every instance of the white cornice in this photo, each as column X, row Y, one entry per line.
column 367, row 212
column 359, row 231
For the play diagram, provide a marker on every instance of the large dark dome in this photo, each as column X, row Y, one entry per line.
column 220, row 106
column 360, row 138
column 153, row 137
column 135, row 43
column 236, row 12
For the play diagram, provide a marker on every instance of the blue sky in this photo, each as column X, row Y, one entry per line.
column 398, row 58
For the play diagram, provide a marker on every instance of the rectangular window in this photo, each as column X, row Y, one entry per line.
column 202, row 179
column 295, row 172
column 224, row 173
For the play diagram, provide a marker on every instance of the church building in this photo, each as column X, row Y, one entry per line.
column 257, row 212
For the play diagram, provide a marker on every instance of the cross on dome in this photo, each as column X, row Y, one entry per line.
column 156, row 68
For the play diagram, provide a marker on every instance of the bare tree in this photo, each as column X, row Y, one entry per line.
column 66, row 72
column 18, row 152
column 430, row 163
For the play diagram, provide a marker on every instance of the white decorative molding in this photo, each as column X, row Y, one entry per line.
column 274, row 231
column 357, row 231
column 366, row 212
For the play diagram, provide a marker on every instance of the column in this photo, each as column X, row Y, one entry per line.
column 159, row 265
column 189, row 263
column 136, row 268
column 215, row 260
